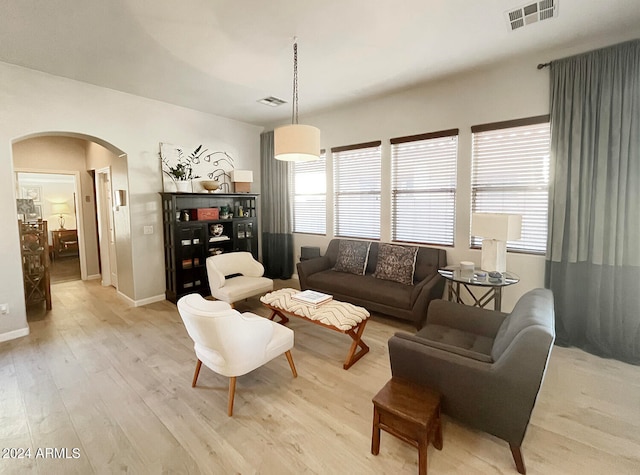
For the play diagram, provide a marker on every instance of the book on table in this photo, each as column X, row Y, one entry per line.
column 312, row 297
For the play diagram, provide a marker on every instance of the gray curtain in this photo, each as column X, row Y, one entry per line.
column 277, row 237
column 593, row 258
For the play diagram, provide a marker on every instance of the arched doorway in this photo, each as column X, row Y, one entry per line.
column 92, row 162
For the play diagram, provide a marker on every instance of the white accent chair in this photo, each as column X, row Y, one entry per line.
column 240, row 287
column 230, row 343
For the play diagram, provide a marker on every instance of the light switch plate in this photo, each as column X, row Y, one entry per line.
column 148, row 229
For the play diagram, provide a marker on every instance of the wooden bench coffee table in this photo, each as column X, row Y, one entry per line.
column 342, row 317
column 409, row 412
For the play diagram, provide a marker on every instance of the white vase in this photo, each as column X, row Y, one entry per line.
column 183, row 186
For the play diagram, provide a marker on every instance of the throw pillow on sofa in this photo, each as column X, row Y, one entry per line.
column 397, row 263
column 352, row 257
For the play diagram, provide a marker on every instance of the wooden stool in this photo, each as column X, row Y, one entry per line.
column 409, row 412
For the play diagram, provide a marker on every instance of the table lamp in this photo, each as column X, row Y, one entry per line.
column 242, row 180
column 60, row 209
column 495, row 229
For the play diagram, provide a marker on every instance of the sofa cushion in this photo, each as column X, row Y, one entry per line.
column 352, row 256
column 396, row 263
column 363, row 288
column 467, row 344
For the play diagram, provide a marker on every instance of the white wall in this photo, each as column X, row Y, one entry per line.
column 32, row 102
column 510, row 91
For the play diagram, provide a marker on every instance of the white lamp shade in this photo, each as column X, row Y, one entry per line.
column 242, row 176
column 499, row 226
column 60, row 208
column 296, row 143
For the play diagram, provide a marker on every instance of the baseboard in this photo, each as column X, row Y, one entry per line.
column 140, row 303
column 94, row 277
column 12, row 335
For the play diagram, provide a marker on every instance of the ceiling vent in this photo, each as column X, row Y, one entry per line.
column 271, row 101
column 531, row 13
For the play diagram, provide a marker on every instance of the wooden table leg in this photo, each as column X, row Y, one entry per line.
column 375, row 437
column 354, row 356
column 283, row 318
column 423, row 446
column 437, row 439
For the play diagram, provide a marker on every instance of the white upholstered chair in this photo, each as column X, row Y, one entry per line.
column 248, row 283
column 231, row 343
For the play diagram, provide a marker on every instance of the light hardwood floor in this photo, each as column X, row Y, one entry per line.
column 114, row 382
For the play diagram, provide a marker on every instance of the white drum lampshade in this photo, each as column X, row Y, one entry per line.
column 296, row 143
column 242, row 180
column 495, row 229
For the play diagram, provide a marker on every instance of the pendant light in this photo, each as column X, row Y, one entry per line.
column 296, row 142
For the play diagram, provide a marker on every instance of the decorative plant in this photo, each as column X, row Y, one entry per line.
column 183, row 169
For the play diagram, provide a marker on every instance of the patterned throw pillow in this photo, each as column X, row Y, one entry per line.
column 352, row 256
column 396, row 263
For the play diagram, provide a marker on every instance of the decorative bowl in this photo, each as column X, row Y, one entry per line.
column 210, row 185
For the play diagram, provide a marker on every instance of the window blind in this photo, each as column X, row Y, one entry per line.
column 424, row 187
column 357, row 175
column 511, row 175
column 309, row 196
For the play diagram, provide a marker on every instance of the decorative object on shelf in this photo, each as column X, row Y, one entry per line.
column 296, row 142
column 217, row 229
column 224, row 212
column 60, row 209
column 178, row 167
column 210, row 185
column 242, row 180
column 203, row 214
column 495, row 229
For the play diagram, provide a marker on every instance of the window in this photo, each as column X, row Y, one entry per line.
column 356, row 179
column 511, row 175
column 424, row 187
column 309, row 196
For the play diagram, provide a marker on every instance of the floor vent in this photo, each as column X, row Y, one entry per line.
column 531, row 13
column 271, row 101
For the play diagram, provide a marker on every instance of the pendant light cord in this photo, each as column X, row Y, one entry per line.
column 294, row 112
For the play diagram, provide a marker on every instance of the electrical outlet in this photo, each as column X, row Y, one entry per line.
column 148, row 229
column 4, row 308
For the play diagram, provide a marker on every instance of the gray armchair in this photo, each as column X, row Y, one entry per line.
column 488, row 365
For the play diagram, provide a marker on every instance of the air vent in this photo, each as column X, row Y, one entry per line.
column 271, row 101
column 531, row 13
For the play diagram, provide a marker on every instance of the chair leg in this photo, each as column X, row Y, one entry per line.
column 195, row 375
column 516, row 451
column 290, row 360
column 232, row 393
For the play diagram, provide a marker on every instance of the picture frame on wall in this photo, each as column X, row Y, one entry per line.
column 32, row 193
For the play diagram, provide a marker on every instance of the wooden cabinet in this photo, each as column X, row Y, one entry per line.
column 65, row 242
column 188, row 241
column 34, row 249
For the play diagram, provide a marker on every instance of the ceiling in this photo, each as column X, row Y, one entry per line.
column 222, row 56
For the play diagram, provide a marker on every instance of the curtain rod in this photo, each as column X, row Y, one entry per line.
column 543, row 65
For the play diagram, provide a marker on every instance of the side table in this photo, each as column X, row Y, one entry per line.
column 458, row 280
column 411, row 413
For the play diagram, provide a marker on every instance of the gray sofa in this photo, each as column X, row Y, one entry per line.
column 407, row 302
column 488, row 365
